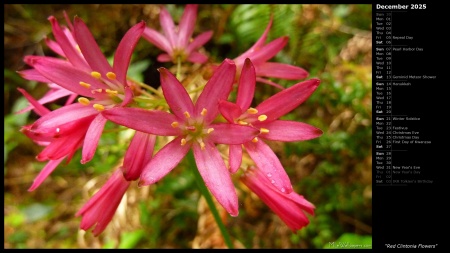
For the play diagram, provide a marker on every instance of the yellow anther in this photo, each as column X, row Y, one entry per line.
column 96, row 74
column 85, row 85
column 210, row 130
column 187, row 115
column 111, row 92
column 202, row 145
column 255, row 139
column 174, row 124
column 111, row 76
column 241, row 122
column 252, row 110
column 183, row 142
column 204, row 111
column 83, row 101
column 98, row 107
column 96, row 90
column 262, row 117
column 263, row 130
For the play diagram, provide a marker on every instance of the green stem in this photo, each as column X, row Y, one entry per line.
column 178, row 68
column 205, row 192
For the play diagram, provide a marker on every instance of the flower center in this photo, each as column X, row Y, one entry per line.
column 193, row 129
column 249, row 117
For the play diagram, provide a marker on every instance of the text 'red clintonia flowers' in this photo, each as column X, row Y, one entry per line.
column 182, row 115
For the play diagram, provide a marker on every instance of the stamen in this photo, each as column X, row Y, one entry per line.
column 191, row 128
column 210, row 130
column 183, row 142
column 187, row 115
column 85, row 85
column 111, row 92
column 255, row 139
column 78, row 48
column 96, row 74
column 96, row 90
column 111, row 76
column 174, row 124
column 262, row 117
column 202, row 145
column 263, row 130
column 252, row 110
column 98, row 107
column 83, row 101
column 204, row 111
column 243, row 123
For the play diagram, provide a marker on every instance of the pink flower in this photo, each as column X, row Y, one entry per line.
column 289, row 207
column 265, row 117
column 194, row 128
column 138, row 154
column 91, row 76
column 176, row 40
column 100, row 209
column 260, row 53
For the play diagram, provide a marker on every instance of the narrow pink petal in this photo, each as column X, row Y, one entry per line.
column 235, row 158
column 124, row 51
column 92, row 137
column 69, row 23
column 285, row 130
column 199, row 41
column 71, row 98
column 38, row 108
column 164, row 58
column 128, row 96
column 164, row 161
column 175, row 94
column 246, row 88
column 157, row 39
column 50, row 96
column 47, row 170
column 63, row 115
column 216, row 176
column 287, row 99
column 197, row 57
column 89, row 48
column 68, row 77
column 54, row 46
column 229, row 111
column 138, row 155
column 217, row 88
column 168, row 26
column 301, row 201
column 62, row 146
column 69, row 51
column 268, row 51
column 225, row 133
column 281, row 70
column 32, row 59
column 33, row 75
column 187, row 25
column 266, row 81
column 261, row 41
column 267, row 161
column 147, row 121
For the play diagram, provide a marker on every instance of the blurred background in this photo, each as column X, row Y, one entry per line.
column 334, row 171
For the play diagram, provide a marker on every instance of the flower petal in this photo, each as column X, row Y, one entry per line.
column 47, row 170
column 216, row 176
column 187, row 24
column 225, row 133
column 229, row 111
column 284, row 130
column 147, row 121
column 269, row 50
column 157, row 39
column 168, row 26
column 197, row 57
column 257, row 46
column 33, row 75
column 38, row 108
column 164, row 161
column 50, row 96
column 281, row 70
column 93, row 135
column 235, row 158
column 125, row 50
column 199, row 41
column 138, row 155
column 217, row 88
column 267, row 161
column 287, row 99
column 164, row 58
column 88, row 46
column 246, row 88
column 266, row 81
column 175, row 94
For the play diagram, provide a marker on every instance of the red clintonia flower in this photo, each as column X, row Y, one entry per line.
column 265, row 117
column 260, row 53
column 176, row 41
column 90, row 77
column 100, row 209
column 289, row 207
column 194, row 128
